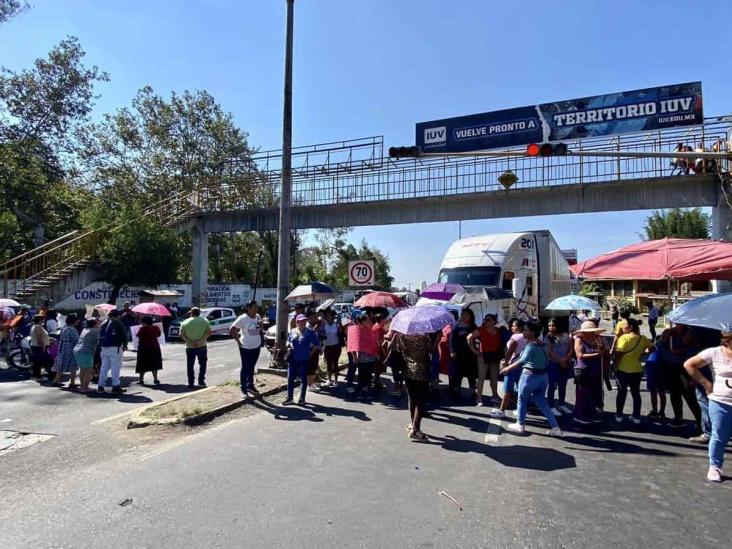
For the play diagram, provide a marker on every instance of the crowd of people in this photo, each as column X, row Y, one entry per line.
column 533, row 364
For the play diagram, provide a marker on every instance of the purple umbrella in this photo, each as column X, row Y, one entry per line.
column 442, row 290
column 421, row 320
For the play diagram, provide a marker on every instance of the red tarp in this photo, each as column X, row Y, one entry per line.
column 677, row 258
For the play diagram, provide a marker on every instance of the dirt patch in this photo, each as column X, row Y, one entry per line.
column 205, row 404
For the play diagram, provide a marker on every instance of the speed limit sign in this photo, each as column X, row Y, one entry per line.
column 361, row 273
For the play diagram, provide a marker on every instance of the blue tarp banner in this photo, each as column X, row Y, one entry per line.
column 615, row 113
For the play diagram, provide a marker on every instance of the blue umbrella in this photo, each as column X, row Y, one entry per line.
column 421, row 320
column 573, row 303
column 710, row 311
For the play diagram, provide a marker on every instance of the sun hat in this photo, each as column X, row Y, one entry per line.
column 588, row 327
column 300, row 317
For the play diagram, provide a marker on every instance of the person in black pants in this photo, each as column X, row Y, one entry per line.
column 675, row 346
column 464, row 359
column 39, row 343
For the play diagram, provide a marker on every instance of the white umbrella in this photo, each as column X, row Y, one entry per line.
column 7, row 302
column 573, row 303
column 710, row 311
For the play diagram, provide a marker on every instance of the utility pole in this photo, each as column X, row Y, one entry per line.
column 283, row 259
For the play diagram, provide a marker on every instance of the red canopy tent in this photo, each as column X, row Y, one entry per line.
column 668, row 258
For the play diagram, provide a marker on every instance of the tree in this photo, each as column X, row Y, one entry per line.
column 157, row 147
column 133, row 248
column 11, row 8
column 47, row 103
column 678, row 223
column 39, row 109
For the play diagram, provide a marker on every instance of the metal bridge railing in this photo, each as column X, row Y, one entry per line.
column 433, row 177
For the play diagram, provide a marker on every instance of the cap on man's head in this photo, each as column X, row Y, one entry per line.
column 301, row 318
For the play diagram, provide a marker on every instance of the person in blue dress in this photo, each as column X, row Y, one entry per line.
column 302, row 344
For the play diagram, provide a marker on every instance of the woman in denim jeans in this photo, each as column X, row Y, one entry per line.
column 559, row 366
column 302, row 344
column 720, row 399
column 533, row 381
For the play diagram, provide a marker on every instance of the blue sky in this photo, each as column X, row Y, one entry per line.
column 377, row 67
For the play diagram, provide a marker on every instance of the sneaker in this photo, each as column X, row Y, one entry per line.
column 497, row 413
column 676, row 423
column 596, row 419
column 581, row 421
column 118, row 390
column 516, row 427
column 555, row 432
column 191, row 386
column 618, row 418
column 714, row 474
column 202, row 385
column 100, row 389
column 565, row 409
column 636, row 420
column 288, row 402
column 350, row 390
column 701, row 439
column 556, row 412
column 301, row 402
column 479, row 403
column 652, row 414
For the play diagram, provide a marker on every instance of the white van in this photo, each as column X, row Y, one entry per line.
column 530, row 265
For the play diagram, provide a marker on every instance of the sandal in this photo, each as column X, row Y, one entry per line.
column 418, row 435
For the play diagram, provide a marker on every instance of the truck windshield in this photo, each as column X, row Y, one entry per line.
column 471, row 276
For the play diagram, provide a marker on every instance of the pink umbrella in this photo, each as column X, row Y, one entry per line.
column 157, row 309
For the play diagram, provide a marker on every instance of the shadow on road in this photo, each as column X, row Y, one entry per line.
column 522, row 457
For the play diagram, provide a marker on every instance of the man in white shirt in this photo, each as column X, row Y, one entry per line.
column 247, row 331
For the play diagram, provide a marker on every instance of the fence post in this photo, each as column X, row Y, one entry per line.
column 581, row 165
column 618, row 159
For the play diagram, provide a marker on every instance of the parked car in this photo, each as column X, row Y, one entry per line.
column 220, row 319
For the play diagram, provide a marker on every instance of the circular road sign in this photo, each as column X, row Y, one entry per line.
column 361, row 273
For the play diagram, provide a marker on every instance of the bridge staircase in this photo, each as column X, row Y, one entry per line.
column 26, row 276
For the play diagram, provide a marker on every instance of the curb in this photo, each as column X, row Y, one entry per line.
column 139, row 422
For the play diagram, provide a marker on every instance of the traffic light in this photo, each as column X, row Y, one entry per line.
column 546, row 149
column 405, row 152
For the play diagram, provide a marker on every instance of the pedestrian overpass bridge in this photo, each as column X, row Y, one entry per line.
column 352, row 183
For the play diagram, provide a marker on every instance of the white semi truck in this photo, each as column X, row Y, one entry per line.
column 530, row 265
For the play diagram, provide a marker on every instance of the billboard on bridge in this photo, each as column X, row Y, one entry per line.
column 615, row 113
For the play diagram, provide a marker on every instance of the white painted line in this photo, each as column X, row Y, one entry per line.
column 494, row 429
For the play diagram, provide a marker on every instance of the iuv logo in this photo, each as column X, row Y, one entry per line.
column 435, row 135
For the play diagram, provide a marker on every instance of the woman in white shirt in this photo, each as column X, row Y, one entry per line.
column 332, row 351
column 247, row 331
column 720, row 398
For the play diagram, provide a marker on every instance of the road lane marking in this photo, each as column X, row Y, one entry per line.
column 494, row 429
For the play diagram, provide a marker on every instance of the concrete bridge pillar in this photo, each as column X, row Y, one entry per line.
column 722, row 228
column 199, row 264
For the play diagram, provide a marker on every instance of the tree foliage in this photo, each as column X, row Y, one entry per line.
column 678, row 223
column 132, row 248
column 11, row 8
column 158, row 146
column 39, row 109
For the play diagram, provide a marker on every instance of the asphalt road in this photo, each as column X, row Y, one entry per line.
column 342, row 473
column 28, row 406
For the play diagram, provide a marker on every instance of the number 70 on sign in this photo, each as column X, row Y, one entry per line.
column 361, row 272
